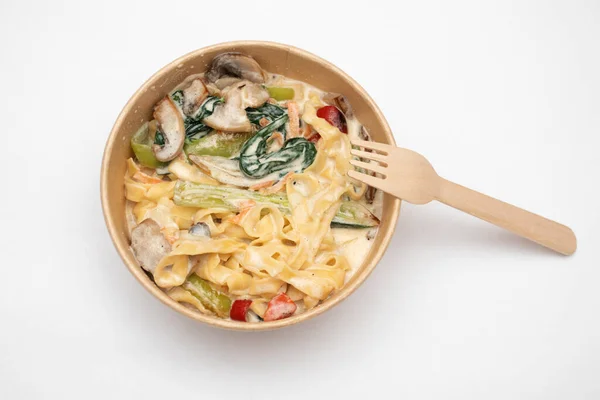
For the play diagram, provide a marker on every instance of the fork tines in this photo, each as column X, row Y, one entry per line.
column 376, row 157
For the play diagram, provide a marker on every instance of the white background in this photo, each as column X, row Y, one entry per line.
column 501, row 96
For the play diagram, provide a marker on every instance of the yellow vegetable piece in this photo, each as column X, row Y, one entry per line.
column 281, row 93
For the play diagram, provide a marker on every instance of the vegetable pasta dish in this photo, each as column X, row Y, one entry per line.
column 238, row 200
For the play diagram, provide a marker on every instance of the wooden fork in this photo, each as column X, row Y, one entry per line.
column 410, row 177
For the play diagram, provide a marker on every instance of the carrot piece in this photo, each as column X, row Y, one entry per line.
column 279, row 185
column 277, row 137
column 307, row 131
column 261, row 185
column 245, row 207
column 293, row 114
column 143, row 178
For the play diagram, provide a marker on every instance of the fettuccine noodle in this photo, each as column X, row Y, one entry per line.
column 254, row 248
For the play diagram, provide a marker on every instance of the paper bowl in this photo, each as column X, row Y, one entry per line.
column 273, row 57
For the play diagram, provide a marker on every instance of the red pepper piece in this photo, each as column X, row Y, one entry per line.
column 314, row 138
column 280, row 306
column 239, row 308
column 334, row 116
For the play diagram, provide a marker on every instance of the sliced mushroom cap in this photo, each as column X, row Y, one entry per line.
column 193, row 97
column 148, row 244
column 213, row 90
column 171, row 125
column 226, row 81
column 237, row 65
column 252, row 95
column 341, row 102
column 363, row 134
column 231, row 116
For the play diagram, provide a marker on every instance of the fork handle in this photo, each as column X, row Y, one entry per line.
column 543, row 231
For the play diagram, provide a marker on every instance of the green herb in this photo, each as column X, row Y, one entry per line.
column 194, row 127
column 256, row 163
column 178, row 98
column 159, row 138
column 269, row 111
column 195, row 131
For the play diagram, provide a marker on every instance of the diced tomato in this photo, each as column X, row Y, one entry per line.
column 239, row 308
column 334, row 116
column 280, row 306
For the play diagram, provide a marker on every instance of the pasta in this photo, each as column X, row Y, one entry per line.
column 243, row 175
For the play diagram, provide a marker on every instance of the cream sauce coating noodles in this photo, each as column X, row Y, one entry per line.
column 247, row 248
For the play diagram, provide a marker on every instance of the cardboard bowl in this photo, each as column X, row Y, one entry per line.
column 273, row 57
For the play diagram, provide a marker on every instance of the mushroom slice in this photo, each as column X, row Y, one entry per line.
column 200, row 229
column 237, row 65
column 226, row 81
column 213, row 90
column 171, row 125
column 231, row 116
column 253, row 95
column 341, row 102
column 364, row 134
column 193, row 97
column 148, row 244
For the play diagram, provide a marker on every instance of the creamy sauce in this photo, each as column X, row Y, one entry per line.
column 353, row 244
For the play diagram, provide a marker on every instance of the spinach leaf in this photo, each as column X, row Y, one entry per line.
column 195, row 130
column 194, row 127
column 267, row 110
column 159, row 138
column 256, row 163
column 178, row 98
